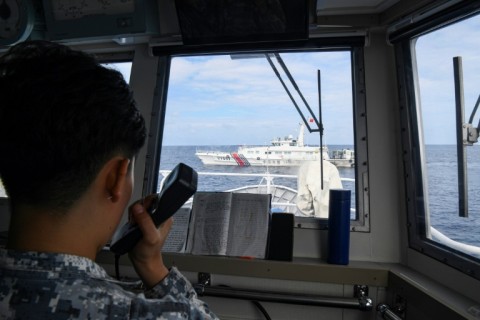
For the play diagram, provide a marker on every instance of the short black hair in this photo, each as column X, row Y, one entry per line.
column 62, row 117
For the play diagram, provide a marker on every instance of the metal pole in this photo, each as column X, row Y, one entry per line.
column 320, row 125
column 461, row 151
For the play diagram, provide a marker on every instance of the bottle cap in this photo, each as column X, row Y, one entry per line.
column 339, row 194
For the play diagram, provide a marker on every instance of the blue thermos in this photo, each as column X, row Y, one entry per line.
column 339, row 226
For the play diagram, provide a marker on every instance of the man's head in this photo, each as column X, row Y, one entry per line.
column 62, row 116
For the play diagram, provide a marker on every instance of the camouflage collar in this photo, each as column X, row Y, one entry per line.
column 55, row 264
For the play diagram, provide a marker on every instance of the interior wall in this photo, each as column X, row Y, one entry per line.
column 142, row 81
column 384, row 242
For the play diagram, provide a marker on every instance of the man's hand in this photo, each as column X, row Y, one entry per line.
column 146, row 256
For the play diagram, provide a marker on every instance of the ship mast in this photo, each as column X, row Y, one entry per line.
column 301, row 135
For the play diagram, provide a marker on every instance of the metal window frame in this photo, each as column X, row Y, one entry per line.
column 414, row 159
column 354, row 45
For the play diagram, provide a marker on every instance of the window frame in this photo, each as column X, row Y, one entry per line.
column 352, row 44
column 413, row 147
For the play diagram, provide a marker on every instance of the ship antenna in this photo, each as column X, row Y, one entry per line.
column 318, row 122
column 320, row 127
column 300, row 138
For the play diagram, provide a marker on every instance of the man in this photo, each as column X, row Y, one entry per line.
column 312, row 200
column 69, row 134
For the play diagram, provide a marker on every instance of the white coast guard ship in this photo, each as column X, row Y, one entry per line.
column 282, row 152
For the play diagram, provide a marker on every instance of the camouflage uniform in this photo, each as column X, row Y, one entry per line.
column 36, row 285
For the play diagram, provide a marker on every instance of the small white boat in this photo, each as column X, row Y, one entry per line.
column 283, row 152
column 343, row 158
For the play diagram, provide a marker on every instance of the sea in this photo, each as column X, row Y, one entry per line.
column 441, row 172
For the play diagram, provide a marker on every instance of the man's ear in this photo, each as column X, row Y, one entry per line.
column 117, row 177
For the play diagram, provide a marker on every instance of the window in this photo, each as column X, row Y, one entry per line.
column 240, row 124
column 434, row 54
column 442, row 188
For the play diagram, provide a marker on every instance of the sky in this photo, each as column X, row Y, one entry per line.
column 217, row 100
column 435, row 52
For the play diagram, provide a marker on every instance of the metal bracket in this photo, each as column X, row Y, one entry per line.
column 397, row 311
column 387, row 313
column 470, row 134
column 361, row 292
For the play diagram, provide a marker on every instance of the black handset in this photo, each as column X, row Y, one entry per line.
column 178, row 187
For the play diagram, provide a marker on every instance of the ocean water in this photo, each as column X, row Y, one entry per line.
column 441, row 171
column 443, row 193
column 172, row 155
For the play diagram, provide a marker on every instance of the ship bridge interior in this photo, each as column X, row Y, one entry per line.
column 411, row 165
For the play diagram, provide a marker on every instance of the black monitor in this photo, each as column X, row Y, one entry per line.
column 204, row 22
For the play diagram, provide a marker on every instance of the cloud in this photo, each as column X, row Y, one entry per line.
column 234, row 101
column 435, row 52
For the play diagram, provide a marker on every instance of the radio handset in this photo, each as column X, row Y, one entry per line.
column 178, row 187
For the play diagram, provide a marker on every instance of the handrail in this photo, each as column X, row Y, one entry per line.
column 260, row 175
column 266, row 181
column 361, row 303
